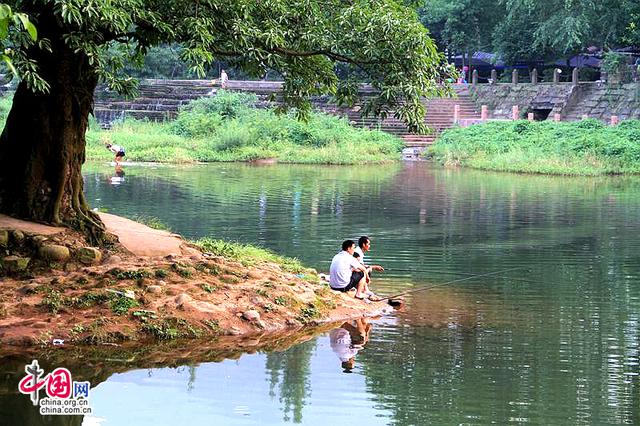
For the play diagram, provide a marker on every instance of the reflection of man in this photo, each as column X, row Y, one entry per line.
column 347, row 340
column 119, row 177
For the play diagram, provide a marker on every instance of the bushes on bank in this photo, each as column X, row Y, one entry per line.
column 586, row 147
column 228, row 127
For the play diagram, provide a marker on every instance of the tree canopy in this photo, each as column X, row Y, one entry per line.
column 82, row 42
column 529, row 30
column 300, row 39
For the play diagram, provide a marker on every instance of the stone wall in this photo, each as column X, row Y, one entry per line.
column 571, row 101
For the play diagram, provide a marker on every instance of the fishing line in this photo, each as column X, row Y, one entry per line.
column 415, row 290
column 435, row 271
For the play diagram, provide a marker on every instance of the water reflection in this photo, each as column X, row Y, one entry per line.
column 118, row 177
column 348, row 340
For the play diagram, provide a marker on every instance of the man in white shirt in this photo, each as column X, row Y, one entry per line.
column 347, row 272
column 117, row 150
column 364, row 244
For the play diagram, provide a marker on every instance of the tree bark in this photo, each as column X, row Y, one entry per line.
column 42, row 147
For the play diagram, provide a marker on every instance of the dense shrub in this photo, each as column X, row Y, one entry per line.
column 587, row 147
column 228, row 127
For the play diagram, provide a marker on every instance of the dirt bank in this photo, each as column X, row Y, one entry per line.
column 151, row 285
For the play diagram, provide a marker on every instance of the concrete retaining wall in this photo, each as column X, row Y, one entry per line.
column 571, row 101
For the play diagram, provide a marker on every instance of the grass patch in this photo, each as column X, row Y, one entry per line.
column 151, row 222
column 53, row 301
column 130, row 275
column 268, row 307
column 120, row 305
column 281, row 300
column 586, row 148
column 171, row 328
column 250, row 255
column 263, row 293
column 308, row 313
column 209, row 288
column 214, row 326
column 90, row 299
column 228, row 127
column 183, row 270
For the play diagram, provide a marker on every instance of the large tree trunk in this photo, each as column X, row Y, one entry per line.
column 43, row 142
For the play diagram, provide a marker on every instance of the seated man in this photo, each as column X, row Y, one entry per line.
column 346, row 272
column 364, row 245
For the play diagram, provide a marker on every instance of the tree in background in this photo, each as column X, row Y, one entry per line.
column 462, row 26
column 43, row 142
column 532, row 30
column 551, row 29
column 632, row 30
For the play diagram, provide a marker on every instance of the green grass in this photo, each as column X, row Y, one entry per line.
column 250, row 255
column 228, row 127
column 587, row 147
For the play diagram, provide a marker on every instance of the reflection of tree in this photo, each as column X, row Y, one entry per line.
column 572, row 360
column 289, row 371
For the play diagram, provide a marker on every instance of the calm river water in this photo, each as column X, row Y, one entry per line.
column 553, row 339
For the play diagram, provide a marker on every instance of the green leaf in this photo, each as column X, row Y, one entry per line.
column 7, row 61
column 31, row 29
column 4, row 28
column 5, row 11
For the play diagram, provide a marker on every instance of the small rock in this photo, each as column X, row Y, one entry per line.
column 89, row 255
column 233, row 331
column 38, row 240
column 255, row 274
column 29, row 288
column 251, row 315
column 114, row 260
column 154, row 289
column 4, row 238
column 15, row 263
column 54, row 252
column 161, row 282
column 70, row 267
column 213, row 259
column 17, row 236
column 182, row 299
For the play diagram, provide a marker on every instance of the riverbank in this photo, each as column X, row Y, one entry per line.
column 153, row 286
column 586, row 148
column 229, row 127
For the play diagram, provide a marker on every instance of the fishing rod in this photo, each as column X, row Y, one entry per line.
column 415, row 290
column 437, row 271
